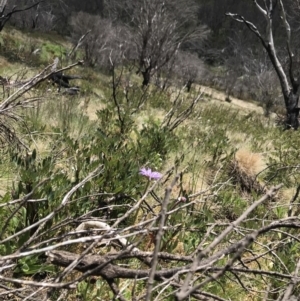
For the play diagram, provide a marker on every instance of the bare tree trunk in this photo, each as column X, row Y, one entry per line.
column 189, row 85
column 146, row 76
column 292, row 109
column 290, row 86
column 2, row 6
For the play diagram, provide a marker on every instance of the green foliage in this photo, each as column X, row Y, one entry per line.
column 52, row 49
column 10, row 48
column 282, row 165
column 156, row 142
column 34, row 119
column 32, row 265
column 160, row 100
column 231, row 205
column 124, row 138
column 58, row 114
column 89, row 291
column 39, row 179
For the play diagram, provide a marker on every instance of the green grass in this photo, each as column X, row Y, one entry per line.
column 68, row 136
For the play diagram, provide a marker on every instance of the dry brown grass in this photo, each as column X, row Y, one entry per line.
column 235, row 102
column 248, row 162
column 244, row 169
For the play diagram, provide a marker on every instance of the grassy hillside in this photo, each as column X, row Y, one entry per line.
column 225, row 155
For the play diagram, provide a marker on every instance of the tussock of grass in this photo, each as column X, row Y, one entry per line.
column 249, row 163
column 244, row 169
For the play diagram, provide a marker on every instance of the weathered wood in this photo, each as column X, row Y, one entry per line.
column 102, row 266
column 290, row 85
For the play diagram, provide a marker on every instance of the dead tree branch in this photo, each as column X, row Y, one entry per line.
column 5, row 17
column 290, row 85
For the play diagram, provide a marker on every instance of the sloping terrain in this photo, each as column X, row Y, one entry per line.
column 237, row 103
column 76, row 186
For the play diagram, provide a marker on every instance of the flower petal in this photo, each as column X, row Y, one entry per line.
column 155, row 175
column 147, row 172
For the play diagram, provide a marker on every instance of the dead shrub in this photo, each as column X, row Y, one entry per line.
column 188, row 69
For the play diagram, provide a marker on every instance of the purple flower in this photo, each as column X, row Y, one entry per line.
column 147, row 172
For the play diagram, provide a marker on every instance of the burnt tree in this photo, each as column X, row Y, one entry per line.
column 5, row 16
column 289, row 79
column 159, row 29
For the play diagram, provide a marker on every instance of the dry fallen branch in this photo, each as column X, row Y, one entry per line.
column 103, row 268
column 9, row 114
column 220, row 256
column 101, row 265
column 42, row 221
column 185, row 290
